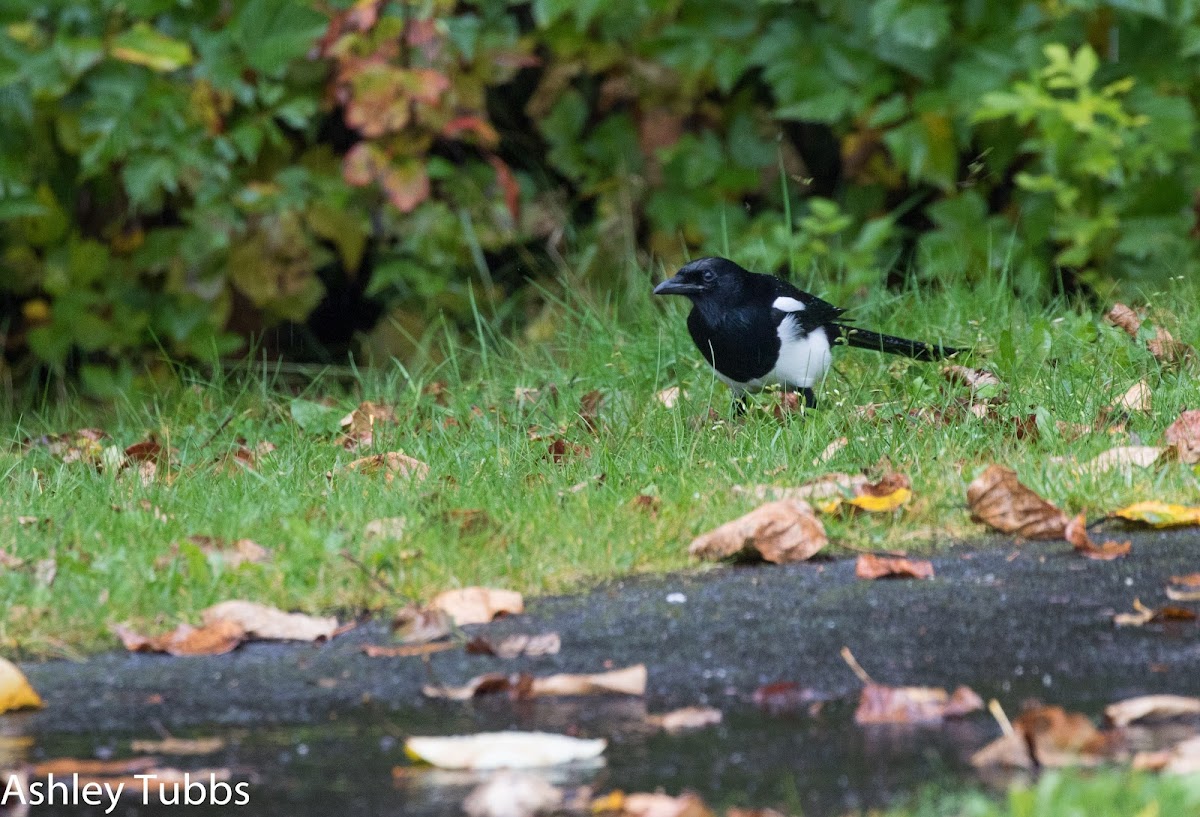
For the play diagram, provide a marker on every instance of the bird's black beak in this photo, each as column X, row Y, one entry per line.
column 675, row 286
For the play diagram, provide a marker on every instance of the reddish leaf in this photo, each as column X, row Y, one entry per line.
column 1184, row 435
column 508, row 184
column 406, row 185
column 1076, row 533
column 870, row 566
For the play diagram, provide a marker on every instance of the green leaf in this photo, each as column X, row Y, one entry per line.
column 314, row 418
column 144, row 45
column 272, row 33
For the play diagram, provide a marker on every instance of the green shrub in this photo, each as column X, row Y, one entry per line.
column 175, row 174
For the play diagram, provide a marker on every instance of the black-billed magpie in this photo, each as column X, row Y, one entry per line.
column 758, row 330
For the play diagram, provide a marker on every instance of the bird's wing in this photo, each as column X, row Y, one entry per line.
column 809, row 310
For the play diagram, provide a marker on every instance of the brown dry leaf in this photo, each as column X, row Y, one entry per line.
column 392, row 464
column 513, row 794
column 785, row 696
column 149, row 450
column 415, row 625
column 388, row 527
column 558, row 450
column 1137, row 398
column 1184, row 588
column 1047, row 736
column 1123, row 713
column 781, row 531
column 406, row 650
column 231, row 554
column 216, row 638
column 531, row 646
column 669, row 397
column 998, row 499
column 1182, row 758
column 644, row 502
column 1124, row 457
column 1077, row 534
column 268, row 623
column 15, row 691
column 689, row 717
column 913, row 705
column 982, row 383
column 627, row 681
column 178, row 746
column 358, row 427
column 1144, row 615
column 84, row 445
column 1163, row 346
column 1184, row 436
column 589, row 409
column 1122, row 317
column 831, row 450
column 870, row 566
column 640, row 804
column 477, row 605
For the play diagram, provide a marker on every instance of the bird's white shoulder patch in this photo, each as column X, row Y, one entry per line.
column 786, row 304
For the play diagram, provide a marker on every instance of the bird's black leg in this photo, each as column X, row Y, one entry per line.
column 810, row 398
column 740, row 407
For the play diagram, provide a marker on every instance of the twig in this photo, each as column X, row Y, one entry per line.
column 228, row 419
column 855, row 667
column 370, row 574
column 998, row 713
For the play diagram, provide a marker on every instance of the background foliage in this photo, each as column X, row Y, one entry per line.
column 176, row 174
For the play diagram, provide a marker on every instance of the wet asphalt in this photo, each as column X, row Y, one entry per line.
column 1012, row 620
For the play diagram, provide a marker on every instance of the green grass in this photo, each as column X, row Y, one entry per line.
column 1072, row 794
column 550, row 526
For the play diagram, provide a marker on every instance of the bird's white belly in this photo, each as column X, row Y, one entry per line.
column 803, row 358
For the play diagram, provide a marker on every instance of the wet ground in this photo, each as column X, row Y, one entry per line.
column 319, row 729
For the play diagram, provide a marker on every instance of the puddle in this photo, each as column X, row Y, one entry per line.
column 354, row 764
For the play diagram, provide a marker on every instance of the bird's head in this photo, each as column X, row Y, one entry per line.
column 705, row 277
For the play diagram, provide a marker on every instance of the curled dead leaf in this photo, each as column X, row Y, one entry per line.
column 997, row 498
column 1184, row 436
column 1050, row 737
column 870, row 566
column 627, row 681
column 215, row 638
column 1142, row 615
column 477, row 605
column 392, row 464
column 261, row 621
column 982, row 383
column 879, row 704
column 1130, row 710
column 781, row 531
column 532, row 646
column 1077, row 534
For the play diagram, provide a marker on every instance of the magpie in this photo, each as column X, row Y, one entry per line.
column 758, row 330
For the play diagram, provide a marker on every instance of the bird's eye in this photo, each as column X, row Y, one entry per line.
column 709, row 276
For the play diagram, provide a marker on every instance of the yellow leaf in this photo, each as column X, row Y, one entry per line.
column 15, row 691
column 882, row 504
column 1160, row 514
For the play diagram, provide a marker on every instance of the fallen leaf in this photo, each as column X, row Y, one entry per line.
column 268, row 623
column 477, row 605
column 881, row 504
column 1162, row 346
column 627, row 681
column 1160, row 514
column 1182, row 758
column 558, row 450
column 660, row 804
column 831, row 450
column 785, row 696
column 416, row 625
column 178, row 746
column 1123, row 713
column 1077, row 534
column 780, row 532
column 870, row 566
column 9, row 561
column 983, row 384
column 1184, row 436
column 1189, row 580
column 15, row 691
column 358, row 427
column 392, row 464
column 512, row 794
column 1123, row 457
column 406, row 650
column 879, row 704
column 589, row 409
column 1144, row 615
column 1124, row 318
column 834, row 485
column 389, row 527
column 1137, row 398
column 503, row 750
column 1184, row 588
column 216, row 638
column 532, row 646
column 669, row 397
column 689, row 717
column 84, row 445
column 231, row 554
column 1047, row 736
column 998, row 499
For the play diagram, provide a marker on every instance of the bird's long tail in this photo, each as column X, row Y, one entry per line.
column 916, row 349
